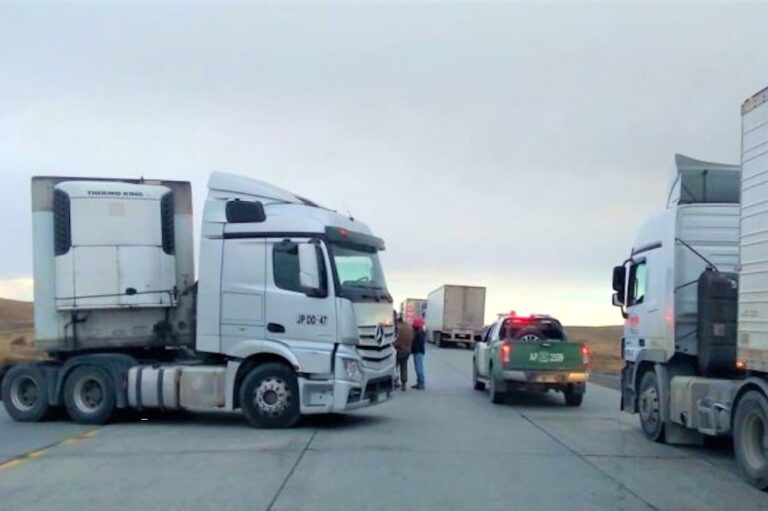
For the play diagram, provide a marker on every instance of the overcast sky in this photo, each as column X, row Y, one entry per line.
column 515, row 146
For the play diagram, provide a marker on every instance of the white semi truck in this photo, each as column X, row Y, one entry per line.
column 694, row 294
column 290, row 314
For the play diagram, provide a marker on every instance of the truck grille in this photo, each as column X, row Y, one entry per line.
column 367, row 334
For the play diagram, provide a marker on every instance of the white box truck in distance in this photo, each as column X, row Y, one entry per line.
column 694, row 294
column 455, row 315
column 290, row 314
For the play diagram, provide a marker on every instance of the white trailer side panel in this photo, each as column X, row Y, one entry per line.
column 464, row 308
column 434, row 319
column 753, row 280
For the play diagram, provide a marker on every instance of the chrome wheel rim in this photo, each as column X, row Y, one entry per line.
column 88, row 394
column 24, row 393
column 755, row 443
column 272, row 396
column 529, row 338
column 649, row 407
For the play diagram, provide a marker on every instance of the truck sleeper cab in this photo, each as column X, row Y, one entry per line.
column 290, row 315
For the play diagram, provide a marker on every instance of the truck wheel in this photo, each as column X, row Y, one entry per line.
column 649, row 407
column 24, row 393
column 497, row 397
column 573, row 396
column 476, row 383
column 89, row 395
column 269, row 396
column 750, row 438
column 439, row 340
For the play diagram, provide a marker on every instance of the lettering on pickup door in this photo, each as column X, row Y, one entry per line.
column 311, row 319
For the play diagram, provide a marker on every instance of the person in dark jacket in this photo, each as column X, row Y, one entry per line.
column 403, row 345
column 418, row 350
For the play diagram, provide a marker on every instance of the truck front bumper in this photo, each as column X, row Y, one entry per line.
column 342, row 394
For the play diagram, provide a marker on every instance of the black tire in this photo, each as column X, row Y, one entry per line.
column 439, row 340
column 497, row 397
column 269, row 396
column 478, row 385
column 573, row 396
column 649, row 407
column 749, row 431
column 25, row 395
column 89, row 395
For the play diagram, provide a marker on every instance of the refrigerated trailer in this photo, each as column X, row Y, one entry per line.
column 289, row 315
column 455, row 314
column 694, row 294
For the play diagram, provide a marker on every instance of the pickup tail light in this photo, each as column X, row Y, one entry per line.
column 585, row 354
column 505, row 350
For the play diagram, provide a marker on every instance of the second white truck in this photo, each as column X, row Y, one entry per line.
column 694, row 295
column 290, row 314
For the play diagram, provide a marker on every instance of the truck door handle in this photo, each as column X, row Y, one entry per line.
column 276, row 328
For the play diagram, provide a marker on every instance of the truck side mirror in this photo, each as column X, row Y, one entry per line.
column 619, row 279
column 309, row 268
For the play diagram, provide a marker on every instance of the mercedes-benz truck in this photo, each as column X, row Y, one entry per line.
column 288, row 316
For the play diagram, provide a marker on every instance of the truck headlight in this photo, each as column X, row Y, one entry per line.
column 352, row 369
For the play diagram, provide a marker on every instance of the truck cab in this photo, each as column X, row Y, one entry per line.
column 657, row 287
column 283, row 277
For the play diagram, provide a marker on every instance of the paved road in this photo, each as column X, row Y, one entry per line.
column 445, row 448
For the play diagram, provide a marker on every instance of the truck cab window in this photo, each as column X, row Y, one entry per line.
column 638, row 279
column 285, row 267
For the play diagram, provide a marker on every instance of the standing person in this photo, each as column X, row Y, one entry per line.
column 403, row 344
column 418, row 350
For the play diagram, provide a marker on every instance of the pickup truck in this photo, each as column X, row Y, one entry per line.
column 530, row 353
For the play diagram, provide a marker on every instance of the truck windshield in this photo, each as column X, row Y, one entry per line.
column 360, row 274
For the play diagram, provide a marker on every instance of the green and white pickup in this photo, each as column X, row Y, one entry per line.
column 530, row 353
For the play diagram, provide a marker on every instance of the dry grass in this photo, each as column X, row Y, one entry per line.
column 16, row 332
column 605, row 343
column 17, row 345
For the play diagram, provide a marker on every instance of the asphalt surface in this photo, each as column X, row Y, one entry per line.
column 444, row 448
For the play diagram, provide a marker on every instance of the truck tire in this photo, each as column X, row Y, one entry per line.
column 89, row 395
column 269, row 396
column 497, row 397
column 649, row 407
column 478, row 385
column 573, row 396
column 24, row 393
column 439, row 340
column 750, row 432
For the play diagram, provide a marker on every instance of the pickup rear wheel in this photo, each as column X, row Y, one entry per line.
column 269, row 396
column 24, row 393
column 478, row 385
column 497, row 397
column 649, row 407
column 89, row 395
column 750, row 438
column 573, row 396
